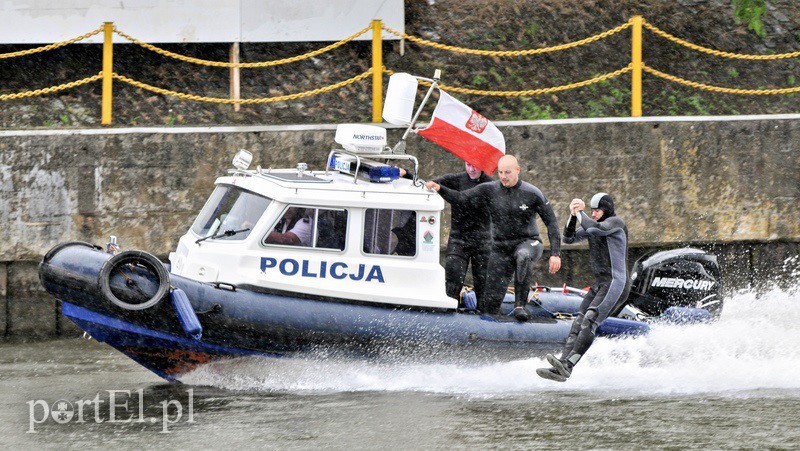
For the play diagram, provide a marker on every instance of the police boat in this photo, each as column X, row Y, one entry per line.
column 344, row 260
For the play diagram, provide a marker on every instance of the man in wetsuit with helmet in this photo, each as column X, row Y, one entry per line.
column 608, row 249
column 513, row 206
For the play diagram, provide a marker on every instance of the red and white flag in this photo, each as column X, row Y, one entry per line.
column 465, row 133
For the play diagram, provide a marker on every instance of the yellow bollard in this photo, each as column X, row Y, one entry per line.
column 377, row 71
column 108, row 63
column 235, row 90
column 636, row 65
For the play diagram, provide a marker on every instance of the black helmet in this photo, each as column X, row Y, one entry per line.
column 603, row 201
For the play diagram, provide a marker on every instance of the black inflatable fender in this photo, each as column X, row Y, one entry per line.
column 56, row 249
column 52, row 252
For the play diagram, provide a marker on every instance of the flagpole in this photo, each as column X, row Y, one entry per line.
column 400, row 147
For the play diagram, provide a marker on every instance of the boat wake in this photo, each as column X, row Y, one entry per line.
column 754, row 346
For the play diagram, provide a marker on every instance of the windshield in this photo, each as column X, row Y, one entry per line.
column 230, row 209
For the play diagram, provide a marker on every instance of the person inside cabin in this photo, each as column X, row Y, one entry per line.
column 294, row 229
column 405, row 233
column 608, row 250
column 470, row 241
column 513, row 206
column 332, row 229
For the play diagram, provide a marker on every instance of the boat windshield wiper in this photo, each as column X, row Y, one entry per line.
column 220, row 235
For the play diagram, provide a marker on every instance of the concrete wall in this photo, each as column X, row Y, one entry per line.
column 729, row 184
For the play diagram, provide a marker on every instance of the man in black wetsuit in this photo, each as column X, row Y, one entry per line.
column 608, row 250
column 513, row 206
column 470, row 241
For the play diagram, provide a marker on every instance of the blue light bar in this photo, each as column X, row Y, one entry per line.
column 380, row 173
column 369, row 170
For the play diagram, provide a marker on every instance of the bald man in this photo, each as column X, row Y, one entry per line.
column 513, row 206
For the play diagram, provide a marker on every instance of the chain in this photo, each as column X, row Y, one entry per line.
column 529, row 92
column 698, row 48
column 694, row 84
column 198, row 98
column 499, row 53
column 203, row 62
column 51, row 89
column 51, row 46
column 508, row 53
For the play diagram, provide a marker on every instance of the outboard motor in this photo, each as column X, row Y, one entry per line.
column 684, row 277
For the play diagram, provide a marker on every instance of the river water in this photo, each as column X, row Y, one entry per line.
column 734, row 384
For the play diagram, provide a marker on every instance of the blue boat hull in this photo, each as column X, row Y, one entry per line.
column 248, row 321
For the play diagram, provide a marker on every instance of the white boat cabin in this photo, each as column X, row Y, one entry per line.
column 355, row 231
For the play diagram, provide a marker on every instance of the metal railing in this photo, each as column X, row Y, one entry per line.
column 636, row 67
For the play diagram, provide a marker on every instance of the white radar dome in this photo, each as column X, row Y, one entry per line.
column 361, row 138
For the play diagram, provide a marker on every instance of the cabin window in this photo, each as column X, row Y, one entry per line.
column 390, row 232
column 322, row 228
column 230, row 212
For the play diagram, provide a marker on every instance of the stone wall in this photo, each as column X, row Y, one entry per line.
column 728, row 184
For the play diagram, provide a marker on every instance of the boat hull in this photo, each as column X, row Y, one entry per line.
column 240, row 321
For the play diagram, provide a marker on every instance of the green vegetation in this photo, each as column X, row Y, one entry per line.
column 530, row 110
column 696, row 102
column 479, row 81
column 173, row 119
column 672, row 105
column 611, row 100
column 532, row 29
column 750, row 12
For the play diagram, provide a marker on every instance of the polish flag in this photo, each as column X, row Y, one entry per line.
column 465, row 133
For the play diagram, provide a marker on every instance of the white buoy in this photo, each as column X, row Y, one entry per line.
column 398, row 108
